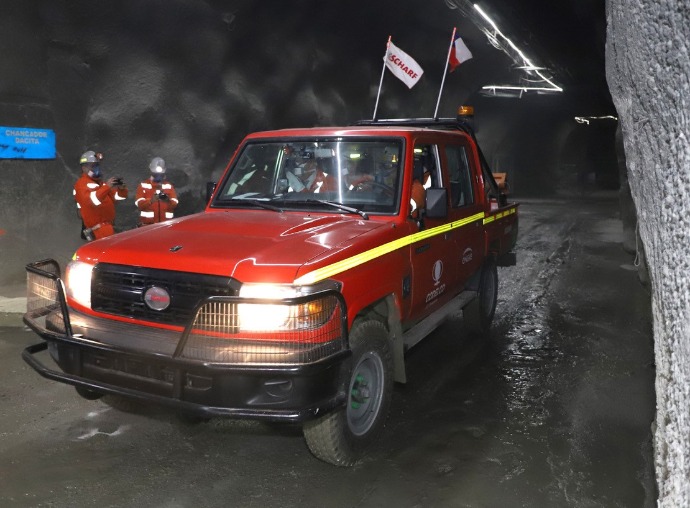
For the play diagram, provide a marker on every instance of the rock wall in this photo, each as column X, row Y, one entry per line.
column 186, row 80
column 648, row 69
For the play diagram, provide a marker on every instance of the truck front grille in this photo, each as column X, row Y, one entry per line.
column 119, row 290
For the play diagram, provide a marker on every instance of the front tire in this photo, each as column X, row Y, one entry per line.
column 342, row 437
column 479, row 313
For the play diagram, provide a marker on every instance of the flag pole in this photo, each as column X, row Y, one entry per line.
column 376, row 107
column 445, row 71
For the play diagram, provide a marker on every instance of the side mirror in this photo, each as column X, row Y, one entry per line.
column 436, row 203
column 210, row 187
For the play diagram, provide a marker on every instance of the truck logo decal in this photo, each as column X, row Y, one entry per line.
column 437, row 271
column 364, row 257
column 157, row 298
column 467, row 255
column 435, row 293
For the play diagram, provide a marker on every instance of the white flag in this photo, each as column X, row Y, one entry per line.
column 403, row 65
column 459, row 53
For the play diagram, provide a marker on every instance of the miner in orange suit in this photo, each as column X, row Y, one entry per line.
column 156, row 197
column 96, row 198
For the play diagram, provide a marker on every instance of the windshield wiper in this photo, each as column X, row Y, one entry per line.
column 339, row 206
column 256, row 202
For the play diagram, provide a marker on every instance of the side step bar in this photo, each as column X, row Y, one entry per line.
column 427, row 325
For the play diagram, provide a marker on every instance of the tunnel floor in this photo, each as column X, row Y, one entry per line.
column 553, row 409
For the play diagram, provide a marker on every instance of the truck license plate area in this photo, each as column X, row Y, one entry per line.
column 132, row 367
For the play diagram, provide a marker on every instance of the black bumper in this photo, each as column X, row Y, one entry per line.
column 166, row 368
column 277, row 393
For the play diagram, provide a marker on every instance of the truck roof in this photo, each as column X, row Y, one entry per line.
column 398, row 126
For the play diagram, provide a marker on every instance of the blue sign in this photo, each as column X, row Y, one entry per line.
column 26, row 143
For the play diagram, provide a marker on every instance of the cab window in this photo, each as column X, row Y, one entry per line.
column 459, row 172
column 426, row 166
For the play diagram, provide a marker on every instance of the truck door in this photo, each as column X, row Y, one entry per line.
column 433, row 274
column 466, row 209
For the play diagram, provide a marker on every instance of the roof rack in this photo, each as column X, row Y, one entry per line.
column 448, row 123
column 459, row 123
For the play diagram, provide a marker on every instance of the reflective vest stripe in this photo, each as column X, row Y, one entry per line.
column 94, row 199
column 168, row 215
column 147, row 215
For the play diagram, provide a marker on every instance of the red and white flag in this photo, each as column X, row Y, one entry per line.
column 402, row 65
column 458, row 54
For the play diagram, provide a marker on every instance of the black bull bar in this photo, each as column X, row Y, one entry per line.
column 308, row 384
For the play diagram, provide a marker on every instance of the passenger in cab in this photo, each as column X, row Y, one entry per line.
column 310, row 177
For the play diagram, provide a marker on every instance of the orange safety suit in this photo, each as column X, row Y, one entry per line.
column 96, row 204
column 153, row 210
column 316, row 182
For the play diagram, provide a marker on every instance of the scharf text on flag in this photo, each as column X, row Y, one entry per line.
column 402, row 65
column 458, row 53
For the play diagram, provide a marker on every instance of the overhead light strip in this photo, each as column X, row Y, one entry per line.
column 528, row 64
column 587, row 119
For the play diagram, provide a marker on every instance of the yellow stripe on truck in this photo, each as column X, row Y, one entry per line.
column 364, row 257
column 499, row 215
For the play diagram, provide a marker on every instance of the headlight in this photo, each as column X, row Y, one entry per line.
column 78, row 282
column 260, row 316
column 281, row 317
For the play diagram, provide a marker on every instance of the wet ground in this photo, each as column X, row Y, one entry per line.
column 554, row 409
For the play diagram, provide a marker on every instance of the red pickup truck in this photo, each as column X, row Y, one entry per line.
column 323, row 254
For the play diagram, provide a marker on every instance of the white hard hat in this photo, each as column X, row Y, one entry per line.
column 157, row 166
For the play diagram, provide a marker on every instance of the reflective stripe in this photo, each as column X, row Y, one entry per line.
column 118, row 197
column 74, row 192
column 168, row 215
column 146, row 185
column 140, row 199
column 94, row 199
column 147, row 215
column 341, row 266
column 500, row 215
column 92, row 185
column 166, row 186
column 174, row 200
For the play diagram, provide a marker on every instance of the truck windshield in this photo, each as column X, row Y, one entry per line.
column 361, row 174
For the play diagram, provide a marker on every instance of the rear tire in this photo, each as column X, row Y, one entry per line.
column 342, row 437
column 479, row 313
